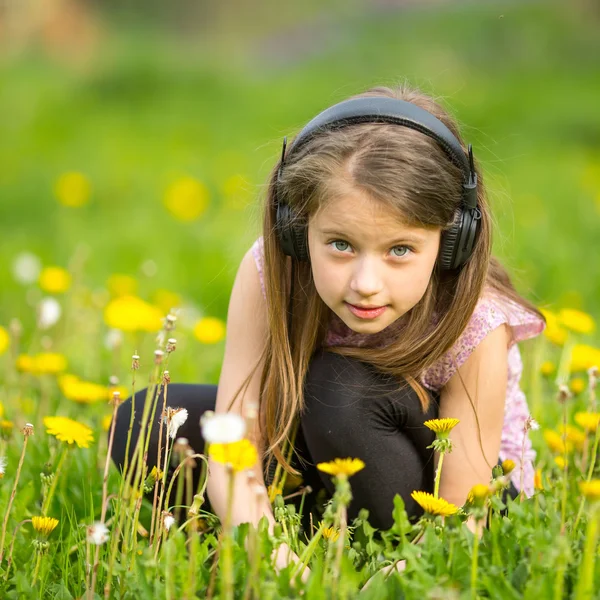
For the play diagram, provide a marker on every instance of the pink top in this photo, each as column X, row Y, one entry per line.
column 490, row 312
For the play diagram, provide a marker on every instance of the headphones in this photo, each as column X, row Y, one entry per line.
column 456, row 244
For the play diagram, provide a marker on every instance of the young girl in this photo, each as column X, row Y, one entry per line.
column 370, row 304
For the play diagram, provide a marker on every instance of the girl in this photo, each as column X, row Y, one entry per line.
column 370, row 304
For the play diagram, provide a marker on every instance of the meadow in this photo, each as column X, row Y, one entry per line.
column 131, row 187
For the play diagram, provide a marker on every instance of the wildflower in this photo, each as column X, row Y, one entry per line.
column 478, row 494
column 222, row 428
column 560, row 462
column 209, row 330
column 577, row 385
column 106, row 421
column 4, row 340
column 84, row 392
column 583, row 357
column 44, row 525
column 174, row 419
column 113, row 339
column 55, row 280
column 240, row 455
column 48, row 313
column 508, row 466
column 547, row 368
column 186, row 199
column 432, row 505
column 130, row 313
column 97, row 534
column 6, row 428
column 26, row 268
column 590, row 489
column 441, row 427
column 274, row 491
column 330, row 534
column 67, row 430
column 121, row 285
column 531, row 423
column 537, row 480
column 554, row 330
column 45, row 363
column 575, row 437
column 555, row 441
column 576, row 320
column 344, row 467
column 168, row 520
column 72, row 189
column 3, row 463
column 588, row 420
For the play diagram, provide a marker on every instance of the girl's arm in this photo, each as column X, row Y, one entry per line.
column 484, row 374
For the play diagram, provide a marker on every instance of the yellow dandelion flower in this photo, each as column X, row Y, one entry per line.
column 240, row 455
column 1, row 410
column 274, row 491
column 106, row 421
column 209, row 330
column 130, row 313
column 84, row 392
column 583, row 357
column 4, row 340
column 577, row 385
column 119, row 284
column 575, row 437
column 591, row 489
column 478, row 494
column 560, row 462
column 44, row 525
column 186, row 199
column 537, row 480
column 576, row 320
column 555, row 441
column 344, row 467
column 55, row 280
column 508, row 466
column 67, row 430
column 443, row 426
column 6, row 427
column 330, row 534
column 554, row 330
column 432, row 505
column 166, row 300
column 547, row 368
column 72, row 189
column 588, row 421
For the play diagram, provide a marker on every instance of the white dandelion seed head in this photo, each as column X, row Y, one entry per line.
column 113, row 339
column 26, row 268
column 178, row 418
column 3, row 463
column 97, row 534
column 223, row 428
column 149, row 268
column 48, row 312
column 168, row 521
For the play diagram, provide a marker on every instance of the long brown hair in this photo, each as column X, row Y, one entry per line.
column 409, row 172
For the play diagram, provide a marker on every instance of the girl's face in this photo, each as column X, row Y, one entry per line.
column 362, row 254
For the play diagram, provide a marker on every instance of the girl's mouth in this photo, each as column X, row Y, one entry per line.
column 366, row 313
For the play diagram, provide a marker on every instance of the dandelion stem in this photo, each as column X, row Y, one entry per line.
column 590, row 473
column 438, row 475
column 50, row 494
column 12, row 497
column 474, row 560
column 227, row 590
column 585, row 584
column 38, row 562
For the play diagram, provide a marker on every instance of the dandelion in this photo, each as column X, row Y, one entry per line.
column 537, row 480
column 508, row 466
column 55, row 280
column 69, row 431
column 4, row 340
column 209, row 330
column 560, row 462
column 97, row 534
column 432, row 505
column 590, row 489
column 106, row 421
column 174, row 418
column 130, row 313
column 26, row 268
column 240, row 455
column 6, row 428
column 121, row 285
column 44, row 525
column 168, row 520
column 186, row 199
column 330, row 534
column 3, row 463
column 441, row 427
column 478, row 494
column 222, row 428
column 48, row 313
column 45, row 363
column 588, row 420
column 575, row 437
column 274, row 491
column 72, row 189
column 555, row 441
column 554, row 330
column 577, row 385
column 113, row 339
column 342, row 467
column 576, row 320
column 547, row 368
column 583, row 357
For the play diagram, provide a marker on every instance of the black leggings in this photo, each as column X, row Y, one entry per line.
column 351, row 411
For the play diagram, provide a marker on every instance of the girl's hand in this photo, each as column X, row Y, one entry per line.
column 398, row 566
column 284, row 556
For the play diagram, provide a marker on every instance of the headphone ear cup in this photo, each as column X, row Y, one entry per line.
column 292, row 233
column 449, row 242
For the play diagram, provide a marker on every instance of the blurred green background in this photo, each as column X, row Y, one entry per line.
column 186, row 103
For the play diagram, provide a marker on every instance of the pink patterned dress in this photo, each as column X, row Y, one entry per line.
column 490, row 312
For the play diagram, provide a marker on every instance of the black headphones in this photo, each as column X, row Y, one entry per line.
column 456, row 245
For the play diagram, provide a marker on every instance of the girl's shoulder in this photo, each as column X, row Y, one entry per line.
column 491, row 311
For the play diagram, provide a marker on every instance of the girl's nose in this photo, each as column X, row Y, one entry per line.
column 365, row 279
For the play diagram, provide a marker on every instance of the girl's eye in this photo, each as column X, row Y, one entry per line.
column 346, row 245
